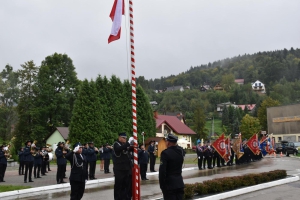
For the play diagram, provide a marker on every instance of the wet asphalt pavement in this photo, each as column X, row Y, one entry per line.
column 150, row 189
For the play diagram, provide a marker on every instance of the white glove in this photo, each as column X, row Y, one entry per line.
column 85, row 180
column 76, row 149
column 5, row 148
column 130, row 140
column 199, row 157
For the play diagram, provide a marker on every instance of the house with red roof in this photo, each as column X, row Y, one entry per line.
column 171, row 124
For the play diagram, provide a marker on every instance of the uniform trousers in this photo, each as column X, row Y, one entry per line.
column 60, row 173
column 48, row 164
column 143, row 170
column 173, row 194
column 2, row 171
column 21, row 168
column 218, row 158
column 122, row 187
column 43, row 168
column 92, row 169
column 152, row 161
column 36, row 170
column 200, row 160
column 28, row 170
column 106, row 165
column 77, row 190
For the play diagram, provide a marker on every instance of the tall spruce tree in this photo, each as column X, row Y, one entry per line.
column 145, row 119
column 87, row 119
column 28, row 118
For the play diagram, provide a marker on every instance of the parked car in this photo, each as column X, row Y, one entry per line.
column 280, row 147
column 292, row 148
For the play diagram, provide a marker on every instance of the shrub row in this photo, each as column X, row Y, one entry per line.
column 230, row 183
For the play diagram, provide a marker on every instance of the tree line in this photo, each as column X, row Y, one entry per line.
column 37, row 99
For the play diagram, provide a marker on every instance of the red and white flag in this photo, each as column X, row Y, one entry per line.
column 116, row 16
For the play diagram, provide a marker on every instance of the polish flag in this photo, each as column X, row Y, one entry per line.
column 116, row 16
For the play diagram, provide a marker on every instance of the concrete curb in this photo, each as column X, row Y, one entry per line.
column 250, row 189
column 66, row 186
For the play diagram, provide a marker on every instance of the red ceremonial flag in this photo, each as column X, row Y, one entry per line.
column 219, row 145
column 253, row 144
column 116, row 16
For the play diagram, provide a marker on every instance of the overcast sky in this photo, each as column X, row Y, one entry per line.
column 170, row 35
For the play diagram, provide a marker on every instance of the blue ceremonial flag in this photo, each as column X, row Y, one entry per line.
column 263, row 146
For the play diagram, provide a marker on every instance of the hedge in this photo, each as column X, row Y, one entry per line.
column 230, row 183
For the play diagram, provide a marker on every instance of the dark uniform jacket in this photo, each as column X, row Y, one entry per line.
column 91, row 154
column 199, row 150
column 21, row 156
column 38, row 159
column 122, row 158
column 207, row 151
column 106, row 153
column 151, row 149
column 60, row 159
column 170, row 168
column 27, row 155
column 3, row 159
column 143, row 157
column 78, row 172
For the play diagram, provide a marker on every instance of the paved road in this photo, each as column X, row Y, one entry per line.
column 150, row 189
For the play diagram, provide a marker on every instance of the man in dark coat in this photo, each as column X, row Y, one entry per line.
column 208, row 154
column 170, row 170
column 3, row 163
column 28, row 160
column 122, row 169
column 199, row 151
column 143, row 161
column 92, row 158
column 79, row 174
column 21, row 161
column 38, row 159
column 61, row 162
column 151, row 151
column 106, row 155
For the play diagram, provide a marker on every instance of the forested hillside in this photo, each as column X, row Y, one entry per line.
column 279, row 70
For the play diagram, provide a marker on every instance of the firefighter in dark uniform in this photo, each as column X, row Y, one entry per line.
column 38, row 159
column 151, row 151
column 61, row 162
column 122, row 169
column 28, row 161
column 199, row 151
column 208, row 154
column 79, row 174
column 143, row 161
column 170, row 170
column 21, row 161
column 3, row 162
column 92, row 158
column 106, row 155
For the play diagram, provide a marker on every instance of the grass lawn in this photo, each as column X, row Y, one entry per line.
column 6, row 188
column 217, row 126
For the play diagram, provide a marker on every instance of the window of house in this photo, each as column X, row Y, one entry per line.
column 255, row 84
column 298, row 138
column 279, row 139
column 259, row 84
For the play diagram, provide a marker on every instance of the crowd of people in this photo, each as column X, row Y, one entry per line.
column 209, row 158
column 83, row 158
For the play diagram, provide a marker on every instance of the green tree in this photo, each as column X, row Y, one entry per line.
column 28, row 118
column 199, row 122
column 57, row 85
column 225, row 116
column 262, row 111
column 87, row 119
column 249, row 126
column 9, row 98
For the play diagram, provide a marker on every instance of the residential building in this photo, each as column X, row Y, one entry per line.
column 258, row 87
column 175, row 88
column 239, row 81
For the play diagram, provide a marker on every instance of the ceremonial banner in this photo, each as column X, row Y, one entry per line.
column 219, row 145
column 269, row 147
column 253, row 144
column 263, row 147
column 237, row 147
column 227, row 155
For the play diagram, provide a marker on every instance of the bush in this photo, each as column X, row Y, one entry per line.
column 189, row 191
column 230, row 183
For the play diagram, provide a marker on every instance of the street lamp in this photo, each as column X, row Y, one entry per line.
column 143, row 134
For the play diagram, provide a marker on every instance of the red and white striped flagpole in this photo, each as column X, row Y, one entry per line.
column 135, row 175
